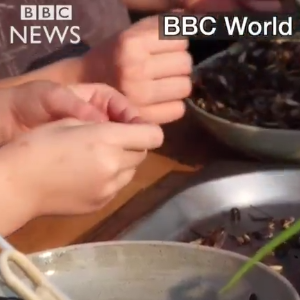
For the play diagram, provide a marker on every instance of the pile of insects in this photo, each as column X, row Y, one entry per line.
column 269, row 226
column 259, row 86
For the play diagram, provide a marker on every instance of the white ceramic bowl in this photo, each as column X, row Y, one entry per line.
column 155, row 271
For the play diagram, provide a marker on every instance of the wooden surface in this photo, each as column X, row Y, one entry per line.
column 187, row 148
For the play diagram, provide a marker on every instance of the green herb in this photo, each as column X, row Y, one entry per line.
column 261, row 253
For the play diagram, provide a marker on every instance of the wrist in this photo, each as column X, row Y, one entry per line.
column 16, row 209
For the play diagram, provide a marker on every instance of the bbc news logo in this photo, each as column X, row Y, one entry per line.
column 35, row 34
column 46, row 12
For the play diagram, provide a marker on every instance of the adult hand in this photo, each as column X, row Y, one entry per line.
column 73, row 167
column 30, row 105
column 152, row 73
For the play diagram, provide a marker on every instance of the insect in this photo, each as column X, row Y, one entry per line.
column 216, row 238
column 286, row 223
column 276, row 268
column 235, row 215
column 253, row 297
column 243, row 239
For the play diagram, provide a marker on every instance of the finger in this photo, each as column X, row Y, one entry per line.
column 169, row 64
column 40, row 102
column 148, row 31
column 108, row 101
column 138, row 137
column 261, row 5
column 64, row 123
column 60, row 102
column 163, row 113
column 132, row 159
column 210, row 6
column 168, row 89
column 155, row 45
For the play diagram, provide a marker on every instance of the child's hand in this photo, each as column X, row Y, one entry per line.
column 70, row 167
column 29, row 105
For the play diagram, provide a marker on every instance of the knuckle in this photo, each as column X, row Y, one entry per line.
column 111, row 166
column 132, row 90
column 108, row 164
column 109, row 190
column 129, row 43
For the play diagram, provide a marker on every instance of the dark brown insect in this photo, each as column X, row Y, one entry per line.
column 235, row 215
column 258, row 235
column 216, row 238
column 253, row 297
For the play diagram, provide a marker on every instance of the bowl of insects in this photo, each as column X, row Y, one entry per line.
column 155, row 270
column 248, row 97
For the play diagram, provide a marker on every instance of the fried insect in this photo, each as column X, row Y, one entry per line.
column 215, row 239
column 243, row 239
column 286, row 223
column 235, row 215
column 265, row 233
column 276, row 268
column 197, row 242
column 270, row 229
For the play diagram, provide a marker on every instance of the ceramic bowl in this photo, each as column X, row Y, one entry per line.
column 154, row 270
column 262, row 143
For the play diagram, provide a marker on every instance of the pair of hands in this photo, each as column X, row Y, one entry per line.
column 153, row 74
column 66, row 151
column 70, row 150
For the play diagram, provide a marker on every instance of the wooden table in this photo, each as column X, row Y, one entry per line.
column 187, row 148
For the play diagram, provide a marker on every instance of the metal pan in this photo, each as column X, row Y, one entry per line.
column 205, row 206
column 155, row 270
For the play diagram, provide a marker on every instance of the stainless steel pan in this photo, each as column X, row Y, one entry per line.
column 205, row 205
